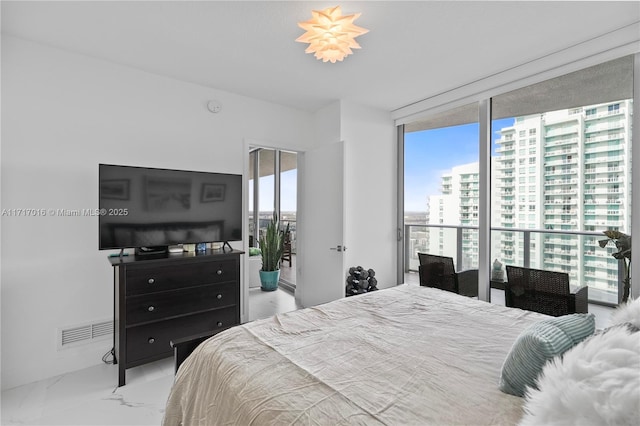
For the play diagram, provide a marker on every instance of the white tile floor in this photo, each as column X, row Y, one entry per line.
column 91, row 397
column 263, row 304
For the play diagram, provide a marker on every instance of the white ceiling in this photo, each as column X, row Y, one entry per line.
column 414, row 50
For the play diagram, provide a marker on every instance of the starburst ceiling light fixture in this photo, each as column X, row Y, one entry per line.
column 330, row 35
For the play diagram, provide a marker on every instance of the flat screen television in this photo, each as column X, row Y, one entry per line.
column 143, row 207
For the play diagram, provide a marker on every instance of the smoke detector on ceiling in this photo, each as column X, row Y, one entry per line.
column 214, row 106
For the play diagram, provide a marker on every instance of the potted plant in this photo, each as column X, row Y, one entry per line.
column 623, row 244
column 272, row 245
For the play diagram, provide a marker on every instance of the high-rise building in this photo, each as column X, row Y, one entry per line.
column 457, row 205
column 566, row 171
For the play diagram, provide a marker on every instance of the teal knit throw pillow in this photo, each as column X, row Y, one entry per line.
column 539, row 343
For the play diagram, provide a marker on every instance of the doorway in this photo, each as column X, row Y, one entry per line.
column 272, row 190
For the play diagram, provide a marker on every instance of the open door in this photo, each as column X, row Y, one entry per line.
column 321, row 272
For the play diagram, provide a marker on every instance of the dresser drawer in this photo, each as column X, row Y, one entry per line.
column 142, row 280
column 159, row 305
column 152, row 340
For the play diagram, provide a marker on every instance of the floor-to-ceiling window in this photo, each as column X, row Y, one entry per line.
column 441, row 176
column 273, row 191
column 562, row 174
column 559, row 173
column 262, row 191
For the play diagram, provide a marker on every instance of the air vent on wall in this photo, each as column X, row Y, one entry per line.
column 82, row 334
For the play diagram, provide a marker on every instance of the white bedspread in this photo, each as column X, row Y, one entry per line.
column 407, row 355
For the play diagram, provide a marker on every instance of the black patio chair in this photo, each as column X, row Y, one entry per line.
column 547, row 292
column 439, row 272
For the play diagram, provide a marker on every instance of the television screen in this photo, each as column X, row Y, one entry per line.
column 147, row 207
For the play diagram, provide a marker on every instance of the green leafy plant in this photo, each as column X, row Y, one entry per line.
column 623, row 244
column 272, row 244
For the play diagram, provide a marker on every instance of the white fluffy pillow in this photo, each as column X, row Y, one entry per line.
column 597, row 382
column 627, row 313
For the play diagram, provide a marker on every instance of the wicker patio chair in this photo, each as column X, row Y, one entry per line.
column 439, row 272
column 547, row 292
column 286, row 252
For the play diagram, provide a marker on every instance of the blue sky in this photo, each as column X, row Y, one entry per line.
column 288, row 197
column 430, row 153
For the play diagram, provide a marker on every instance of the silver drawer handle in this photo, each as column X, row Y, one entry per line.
column 219, row 297
column 219, row 324
column 151, row 340
column 151, row 308
column 151, row 281
column 219, row 272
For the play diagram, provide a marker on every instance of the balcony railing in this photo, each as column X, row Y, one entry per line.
column 605, row 113
column 563, row 141
column 575, row 252
column 284, row 222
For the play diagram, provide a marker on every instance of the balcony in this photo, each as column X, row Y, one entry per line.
column 560, row 222
column 557, row 240
column 564, row 151
column 611, row 125
column 561, row 182
column 562, row 171
column 566, row 130
column 561, row 161
column 599, row 149
column 564, row 141
column 604, row 159
column 603, row 190
column 559, row 209
column 566, row 251
column 602, row 180
column 571, row 191
column 605, row 114
column 603, row 138
column 469, row 178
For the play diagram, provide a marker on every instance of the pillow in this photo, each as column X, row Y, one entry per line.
column 539, row 343
column 594, row 383
column 629, row 313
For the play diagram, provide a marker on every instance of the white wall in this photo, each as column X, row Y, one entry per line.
column 326, row 125
column 370, row 190
column 62, row 114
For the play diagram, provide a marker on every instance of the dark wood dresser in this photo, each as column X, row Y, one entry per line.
column 160, row 299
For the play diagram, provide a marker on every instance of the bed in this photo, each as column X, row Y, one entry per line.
column 405, row 355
